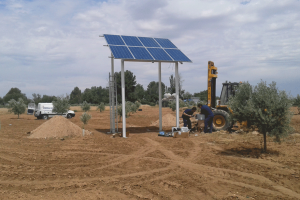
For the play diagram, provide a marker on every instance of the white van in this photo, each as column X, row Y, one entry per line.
column 44, row 111
column 30, row 108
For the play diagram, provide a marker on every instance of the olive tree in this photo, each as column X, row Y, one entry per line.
column 16, row 107
column 61, row 105
column 85, row 106
column 297, row 103
column 85, row 117
column 264, row 106
column 101, row 107
column 129, row 108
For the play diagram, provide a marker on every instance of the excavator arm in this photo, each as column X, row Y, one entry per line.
column 211, row 84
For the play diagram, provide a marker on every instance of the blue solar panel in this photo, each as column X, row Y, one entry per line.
column 132, row 41
column 114, row 40
column 148, row 42
column 165, row 43
column 159, row 54
column 140, row 53
column 177, row 55
column 144, row 48
column 121, row 52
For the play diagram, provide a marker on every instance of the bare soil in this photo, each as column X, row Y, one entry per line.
column 144, row 165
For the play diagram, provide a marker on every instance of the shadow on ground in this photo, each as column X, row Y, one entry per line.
column 135, row 129
column 248, row 152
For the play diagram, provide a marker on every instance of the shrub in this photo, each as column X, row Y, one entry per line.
column 85, row 106
column 172, row 105
column 264, row 106
column 101, row 107
column 182, row 104
column 297, row 101
column 16, row 107
column 85, row 117
column 137, row 105
column 129, row 108
column 61, row 105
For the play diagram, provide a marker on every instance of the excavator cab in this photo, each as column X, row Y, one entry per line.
column 228, row 90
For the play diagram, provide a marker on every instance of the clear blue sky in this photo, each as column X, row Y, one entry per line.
column 50, row 46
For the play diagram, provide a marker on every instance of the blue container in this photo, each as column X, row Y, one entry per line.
column 161, row 133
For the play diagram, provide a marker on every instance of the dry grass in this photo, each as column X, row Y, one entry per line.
column 93, row 108
column 3, row 111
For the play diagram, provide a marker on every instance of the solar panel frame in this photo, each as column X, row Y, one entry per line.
column 146, row 49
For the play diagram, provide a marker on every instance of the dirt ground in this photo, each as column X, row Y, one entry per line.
column 144, row 165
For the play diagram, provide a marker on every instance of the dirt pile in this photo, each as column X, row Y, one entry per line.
column 295, row 110
column 56, row 127
column 167, row 120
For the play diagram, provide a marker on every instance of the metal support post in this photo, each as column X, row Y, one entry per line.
column 112, row 95
column 160, row 98
column 177, row 93
column 123, row 98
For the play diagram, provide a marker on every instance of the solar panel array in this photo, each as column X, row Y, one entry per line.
column 144, row 48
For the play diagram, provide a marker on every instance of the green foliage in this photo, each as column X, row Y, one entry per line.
column 129, row 108
column 297, row 101
column 152, row 94
column 1, row 101
column 187, row 95
column 61, row 105
column 101, row 107
column 172, row 105
column 182, row 104
column 37, row 98
column 85, row 117
column 137, row 104
column 75, row 96
column 172, row 88
column 133, row 107
column 95, row 95
column 85, row 106
column 241, row 103
column 202, row 95
column 16, row 107
column 139, row 92
column 264, row 106
column 130, row 84
column 14, row 93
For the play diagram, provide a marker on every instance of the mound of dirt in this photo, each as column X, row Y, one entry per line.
column 167, row 120
column 295, row 110
column 56, row 127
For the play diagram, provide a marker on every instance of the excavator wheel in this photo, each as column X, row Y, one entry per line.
column 221, row 120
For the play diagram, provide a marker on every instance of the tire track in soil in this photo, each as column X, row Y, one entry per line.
column 117, row 161
column 213, row 172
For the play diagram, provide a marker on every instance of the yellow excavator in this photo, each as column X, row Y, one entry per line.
column 220, row 109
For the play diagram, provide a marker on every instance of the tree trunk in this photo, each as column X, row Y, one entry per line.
column 265, row 138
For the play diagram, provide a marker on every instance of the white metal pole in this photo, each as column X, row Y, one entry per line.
column 123, row 98
column 177, row 93
column 112, row 94
column 159, row 96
